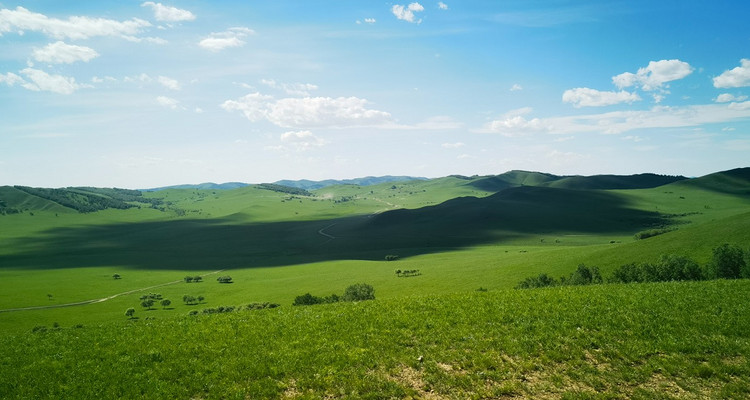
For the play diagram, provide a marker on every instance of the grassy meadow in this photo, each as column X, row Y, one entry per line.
column 462, row 234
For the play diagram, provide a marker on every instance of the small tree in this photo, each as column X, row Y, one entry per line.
column 200, row 299
column 188, row 279
column 224, row 279
column 359, row 292
column 197, row 278
column 728, row 262
column 116, row 276
column 165, row 303
column 129, row 312
column 147, row 303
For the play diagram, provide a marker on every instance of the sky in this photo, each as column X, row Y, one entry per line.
column 138, row 94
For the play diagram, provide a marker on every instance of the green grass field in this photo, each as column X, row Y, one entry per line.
column 277, row 246
column 639, row 341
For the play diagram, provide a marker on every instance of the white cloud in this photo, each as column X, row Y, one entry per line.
column 233, row 37
column 292, row 89
column 727, row 97
column 11, row 79
column 654, row 76
column 585, row 97
column 301, row 140
column 167, row 13
column 75, row 27
column 169, row 83
column 442, row 5
column 62, row 53
column 167, row 102
column 516, row 87
column 406, row 13
column 42, row 81
column 138, row 78
column 367, row 21
column 736, row 77
column 617, row 122
column 452, row 145
column 308, row 111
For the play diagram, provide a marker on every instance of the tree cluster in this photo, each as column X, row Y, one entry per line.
column 356, row 292
column 192, row 300
column 224, row 279
column 407, row 273
column 193, row 279
column 583, row 275
column 727, row 262
column 391, row 257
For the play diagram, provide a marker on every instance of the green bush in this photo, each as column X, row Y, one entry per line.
column 727, row 262
column 359, row 292
column 543, row 280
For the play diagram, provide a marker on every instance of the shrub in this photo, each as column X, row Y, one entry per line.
column 224, row 279
column 307, row 300
column 543, row 280
column 584, row 275
column 359, row 292
column 728, row 262
column 391, row 257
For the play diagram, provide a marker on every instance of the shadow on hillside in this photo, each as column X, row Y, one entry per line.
column 187, row 244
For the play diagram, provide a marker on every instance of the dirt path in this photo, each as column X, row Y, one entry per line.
column 321, row 231
column 103, row 299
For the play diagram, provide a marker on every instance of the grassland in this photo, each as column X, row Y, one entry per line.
column 682, row 340
column 668, row 340
column 277, row 245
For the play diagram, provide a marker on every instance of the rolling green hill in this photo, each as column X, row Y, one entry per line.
column 279, row 244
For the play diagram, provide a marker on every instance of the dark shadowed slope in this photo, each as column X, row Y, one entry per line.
column 225, row 243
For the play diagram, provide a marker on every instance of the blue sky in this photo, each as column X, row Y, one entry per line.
column 141, row 94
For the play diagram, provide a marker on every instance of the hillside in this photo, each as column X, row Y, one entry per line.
column 668, row 340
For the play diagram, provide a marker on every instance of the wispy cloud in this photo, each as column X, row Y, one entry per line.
column 585, row 97
column 76, row 27
column 62, row 53
column 233, row 37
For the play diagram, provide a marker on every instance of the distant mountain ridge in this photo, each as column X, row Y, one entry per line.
column 304, row 184
column 366, row 181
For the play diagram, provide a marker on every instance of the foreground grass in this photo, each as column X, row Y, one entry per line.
column 670, row 340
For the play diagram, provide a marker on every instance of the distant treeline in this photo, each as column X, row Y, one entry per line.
column 284, row 189
column 727, row 262
column 88, row 199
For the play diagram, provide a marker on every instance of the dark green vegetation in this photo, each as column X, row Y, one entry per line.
column 447, row 236
column 641, row 341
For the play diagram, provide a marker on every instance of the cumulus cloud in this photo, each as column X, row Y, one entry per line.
column 301, row 140
column 585, row 97
column 516, row 87
column 39, row 80
column 75, row 27
column 167, row 13
column 406, row 13
column 169, row 83
column 736, row 77
column 727, row 97
column 232, row 37
column 62, row 53
column 308, row 111
column 442, row 5
column 167, row 102
column 654, row 76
